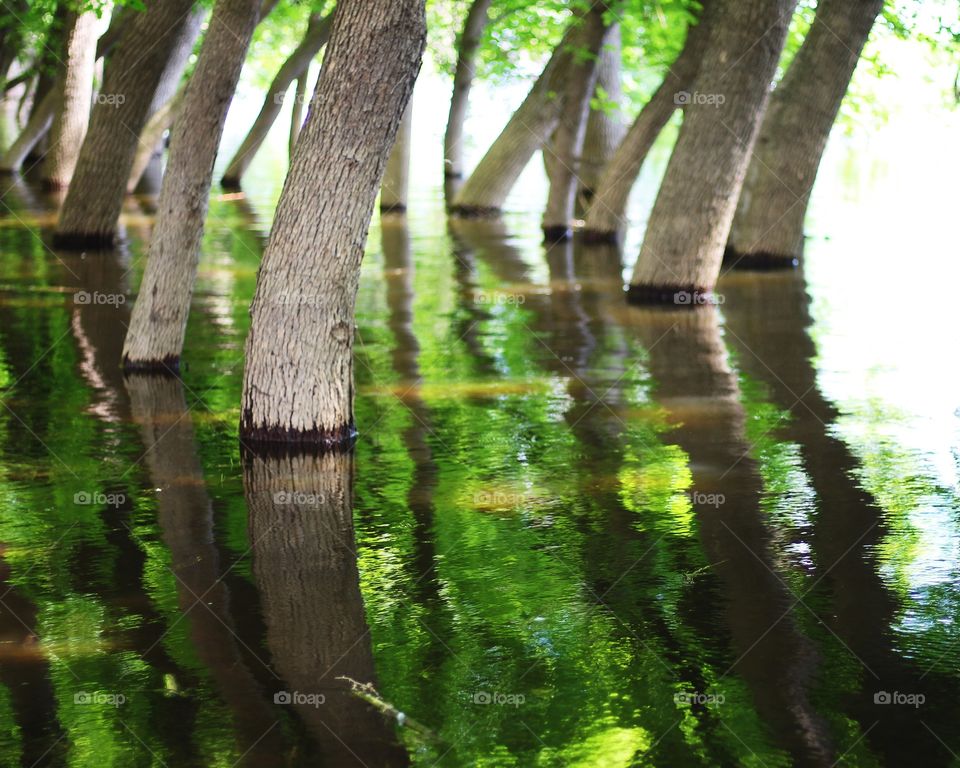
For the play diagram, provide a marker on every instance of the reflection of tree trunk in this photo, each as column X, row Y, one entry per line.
column 186, row 518
column 688, row 361
column 395, row 187
column 305, row 565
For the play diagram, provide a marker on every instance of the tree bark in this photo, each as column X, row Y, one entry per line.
column 767, row 230
column 683, row 247
column 396, row 178
column 151, row 137
column 157, row 326
column 36, row 128
column 298, row 379
column 89, row 217
column 473, row 27
column 75, row 91
column 607, row 213
column 297, row 65
column 562, row 153
column 605, row 130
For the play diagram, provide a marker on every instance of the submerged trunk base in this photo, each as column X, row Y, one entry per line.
column 557, row 233
column 166, row 366
column 600, row 237
column 758, row 261
column 230, row 183
column 393, row 208
column 675, row 296
column 85, row 241
column 282, row 439
column 476, row 211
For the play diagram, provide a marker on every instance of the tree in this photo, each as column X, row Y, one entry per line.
column 683, row 247
column 298, row 379
column 396, row 178
column 92, row 206
column 767, row 230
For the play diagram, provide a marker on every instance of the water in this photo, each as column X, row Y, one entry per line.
column 572, row 532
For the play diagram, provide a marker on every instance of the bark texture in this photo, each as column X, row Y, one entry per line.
column 298, row 379
column 159, row 321
column 562, row 154
column 92, row 207
column 767, row 230
column 473, row 27
column 318, row 32
column 683, row 247
column 36, row 128
column 396, row 178
column 605, row 130
column 74, row 90
column 607, row 213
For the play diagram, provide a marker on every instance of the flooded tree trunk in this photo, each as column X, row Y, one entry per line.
column 36, row 128
column 90, row 213
column 688, row 227
column 298, row 378
column 74, row 90
column 395, row 186
column 152, row 137
column 473, row 27
column 605, row 127
column 562, row 154
column 767, row 230
column 155, row 338
column 296, row 66
column 606, row 216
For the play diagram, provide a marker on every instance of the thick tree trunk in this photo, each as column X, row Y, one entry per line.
column 318, row 32
column 562, row 153
column 767, row 230
column 298, row 379
column 530, row 127
column 683, row 247
column 91, row 210
column 605, row 130
column 75, row 91
column 473, row 28
column 151, row 138
column 396, row 178
column 35, row 129
column 157, row 326
column 606, row 216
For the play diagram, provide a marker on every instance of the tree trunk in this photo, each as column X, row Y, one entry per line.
column 605, row 130
column 396, row 177
column 35, row 129
column 90, row 213
column 298, row 379
column 606, row 216
column 473, row 27
column 296, row 113
column 530, row 127
column 157, row 326
column 562, row 154
column 767, row 229
column 683, row 247
column 75, row 91
column 318, row 32
column 151, row 138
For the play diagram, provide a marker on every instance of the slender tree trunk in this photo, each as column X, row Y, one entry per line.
column 767, row 230
column 157, row 326
column 605, row 130
column 318, row 32
column 90, row 213
column 35, row 129
column 562, row 154
column 473, row 27
column 606, row 216
column 683, row 247
column 75, row 90
column 151, row 138
column 298, row 380
column 396, row 178
column 296, row 113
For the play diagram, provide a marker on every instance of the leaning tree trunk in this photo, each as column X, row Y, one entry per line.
column 75, row 91
column 605, row 128
column 296, row 66
column 473, row 27
column 298, row 379
column 35, row 129
column 396, row 178
column 159, row 320
column 607, row 213
column 562, row 153
column 530, row 127
column 152, row 136
column 767, row 231
column 683, row 247
column 91, row 210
